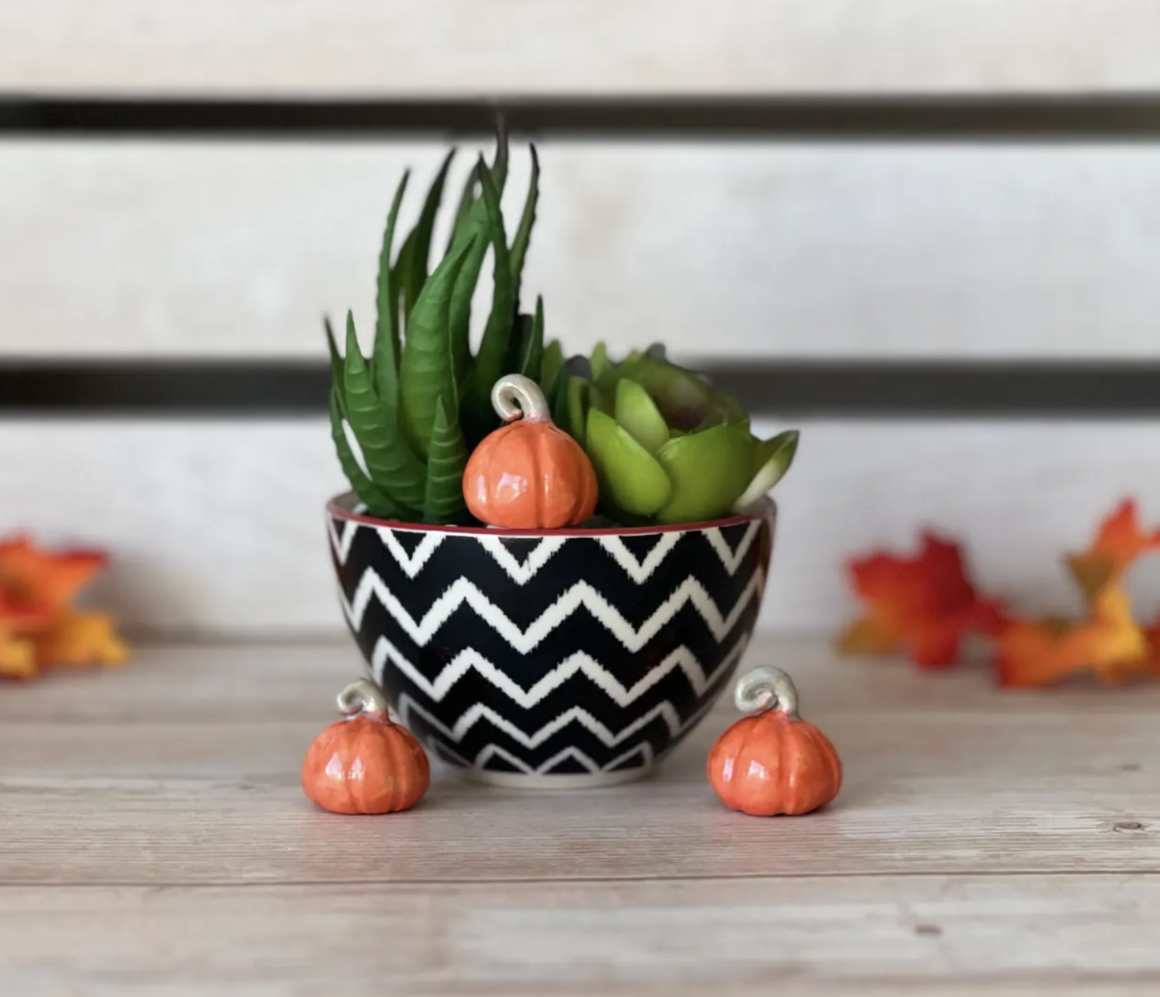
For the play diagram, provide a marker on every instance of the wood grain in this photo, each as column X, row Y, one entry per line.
column 840, row 935
column 734, row 249
column 942, row 777
column 217, row 527
column 360, row 47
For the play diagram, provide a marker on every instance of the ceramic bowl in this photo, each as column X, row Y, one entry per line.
column 551, row 659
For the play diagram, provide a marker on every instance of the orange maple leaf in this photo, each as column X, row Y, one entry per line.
column 38, row 626
column 33, row 576
column 925, row 604
column 1117, row 543
column 1110, row 645
column 80, row 639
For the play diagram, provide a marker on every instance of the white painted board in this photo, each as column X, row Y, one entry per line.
column 218, row 527
column 392, row 48
column 726, row 250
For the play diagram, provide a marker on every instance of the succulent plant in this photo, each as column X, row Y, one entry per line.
column 667, row 447
column 405, row 418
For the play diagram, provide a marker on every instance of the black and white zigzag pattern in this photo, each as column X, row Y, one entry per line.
column 586, row 653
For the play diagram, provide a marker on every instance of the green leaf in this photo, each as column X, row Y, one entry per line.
column 466, row 200
column 523, row 234
column 708, row 471
column 394, row 469
column 629, row 477
column 336, row 367
column 413, row 270
column 475, row 225
column 570, row 411
column 386, row 347
column 493, row 347
column 771, row 459
column 638, row 414
column 550, row 366
column 446, row 462
column 426, row 367
column 377, row 503
column 531, row 359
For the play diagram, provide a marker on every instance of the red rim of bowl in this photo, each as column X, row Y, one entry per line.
column 768, row 509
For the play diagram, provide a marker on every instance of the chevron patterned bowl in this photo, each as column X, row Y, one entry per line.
column 555, row 658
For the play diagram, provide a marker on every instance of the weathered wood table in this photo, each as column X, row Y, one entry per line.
column 156, row 841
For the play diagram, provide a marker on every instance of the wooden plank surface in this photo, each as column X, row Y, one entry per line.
column 726, row 250
column 156, row 841
column 217, row 527
column 844, row 935
column 361, row 47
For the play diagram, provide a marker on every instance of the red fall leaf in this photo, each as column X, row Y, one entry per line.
column 923, row 604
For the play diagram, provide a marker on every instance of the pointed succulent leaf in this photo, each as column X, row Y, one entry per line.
column 377, row 502
column 637, row 413
column 393, row 467
column 552, row 362
column 463, row 209
column 475, row 224
column 413, row 269
column 336, row 366
column 531, row 360
column 426, row 367
column 708, row 471
column 772, row 458
column 629, row 477
column 446, row 462
column 497, row 334
column 523, row 234
column 570, row 408
column 386, row 347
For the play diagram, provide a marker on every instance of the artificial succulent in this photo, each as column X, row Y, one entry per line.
column 667, row 447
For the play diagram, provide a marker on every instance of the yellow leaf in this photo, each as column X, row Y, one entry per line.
column 81, row 639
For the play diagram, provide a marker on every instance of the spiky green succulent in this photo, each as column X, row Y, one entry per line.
column 405, row 418
column 667, row 447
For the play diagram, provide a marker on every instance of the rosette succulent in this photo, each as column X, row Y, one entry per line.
column 666, row 445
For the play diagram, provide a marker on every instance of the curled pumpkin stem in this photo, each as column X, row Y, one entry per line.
column 766, row 688
column 517, row 397
column 363, row 698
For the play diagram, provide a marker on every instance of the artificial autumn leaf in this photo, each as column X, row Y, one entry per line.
column 1111, row 645
column 38, row 626
column 1119, row 540
column 925, row 604
column 37, row 577
column 80, row 639
column 17, row 654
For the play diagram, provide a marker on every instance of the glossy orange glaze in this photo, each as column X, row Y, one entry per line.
column 771, row 764
column 530, row 475
column 365, row 765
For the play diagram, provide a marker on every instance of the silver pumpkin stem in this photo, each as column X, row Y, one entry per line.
column 363, row 698
column 766, row 688
column 515, row 388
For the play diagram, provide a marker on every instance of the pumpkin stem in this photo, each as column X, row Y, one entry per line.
column 766, row 688
column 515, row 388
column 363, row 698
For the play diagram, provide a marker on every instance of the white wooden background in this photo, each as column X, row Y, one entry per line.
column 196, row 248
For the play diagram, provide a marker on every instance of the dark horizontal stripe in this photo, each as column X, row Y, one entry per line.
column 886, row 118
column 790, row 389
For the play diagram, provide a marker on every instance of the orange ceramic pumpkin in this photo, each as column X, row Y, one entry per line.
column 365, row 764
column 529, row 474
column 774, row 762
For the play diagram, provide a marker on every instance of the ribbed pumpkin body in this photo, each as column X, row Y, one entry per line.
column 529, row 475
column 770, row 764
column 365, row 765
